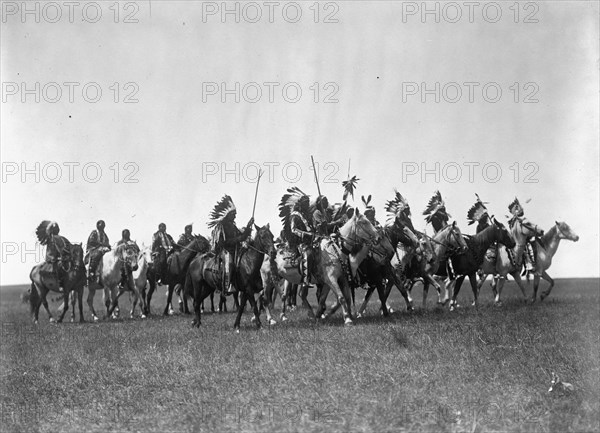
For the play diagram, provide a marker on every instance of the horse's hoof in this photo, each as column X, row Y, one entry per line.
column 52, row 320
column 143, row 316
column 272, row 322
column 348, row 321
column 195, row 323
column 252, row 319
column 359, row 315
column 35, row 322
column 532, row 300
column 323, row 316
column 95, row 318
column 284, row 318
column 171, row 312
column 542, row 297
column 237, row 330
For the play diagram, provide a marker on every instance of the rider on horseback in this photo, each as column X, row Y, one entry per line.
column 320, row 218
column 518, row 221
column 399, row 210
column 126, row 240
column 58, row 249
column 302, row 236
column 436, row 212
column 97, row 245
column 162, row 244
column 186, row 238
column 226, row 239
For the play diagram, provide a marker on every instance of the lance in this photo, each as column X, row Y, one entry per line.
column 319, row 189
column 260, row 173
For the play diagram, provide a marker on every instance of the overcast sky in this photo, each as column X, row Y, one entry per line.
column 370, row 65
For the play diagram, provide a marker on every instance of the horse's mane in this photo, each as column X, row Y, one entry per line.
column 484, row 236
column 547, row 237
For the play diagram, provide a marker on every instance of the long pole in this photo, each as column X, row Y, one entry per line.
column 325, row 216
column 260, row 173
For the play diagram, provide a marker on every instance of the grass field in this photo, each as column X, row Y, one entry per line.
column 473, row 370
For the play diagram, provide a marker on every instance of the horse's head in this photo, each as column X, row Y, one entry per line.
column 454, row 238
column 129, row 253
column 264, row 240
column 502, row 235
column 359, row 229
column 565, row 232
column 77, row 256
column 200, row 244
column 145, row 255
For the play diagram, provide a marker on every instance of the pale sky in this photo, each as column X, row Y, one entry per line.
column 175, row 136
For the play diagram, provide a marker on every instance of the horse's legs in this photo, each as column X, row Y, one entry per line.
column 473, row 281
column 305, row 303
column 240, row 310
column 168, row 308
column 236, row 302
column 80, row 302
column 536, row 284
column 548, row 278
column 65, row 305
column 343, row 297
column 90, row 301
column 151, row 289
column 457, row 283
column 283, row 287
column 254, row 306
column 114, row 302
column 363, row 306
column 212, row 302
column 481, row 282
column 269, row 301
column 322, row 299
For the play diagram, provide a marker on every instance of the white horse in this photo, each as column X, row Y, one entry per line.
column 546, row 248
column 115, row 265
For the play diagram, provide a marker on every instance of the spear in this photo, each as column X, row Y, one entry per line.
column 318, row 189
column 260, row 173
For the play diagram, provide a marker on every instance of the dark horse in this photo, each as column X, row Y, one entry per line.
column 74, row 281
column 176, row 270
column 468, row 263
column 204, row 275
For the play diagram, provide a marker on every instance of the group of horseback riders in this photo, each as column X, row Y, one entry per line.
column 305, row 223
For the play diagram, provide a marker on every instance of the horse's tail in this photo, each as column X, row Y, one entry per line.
column 188, row 287
column 34, row 297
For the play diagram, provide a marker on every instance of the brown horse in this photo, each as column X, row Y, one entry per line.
column 74, row 281
column 205, row 275
column 468, row 264
column 176, row 271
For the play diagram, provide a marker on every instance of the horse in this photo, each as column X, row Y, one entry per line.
column 140, row 280
column 446, row 243
column 116, row 265
column 468, row 263
column 546, row 247
column 176, row 271
column 204, row 275
column 377, row 268
column 337, row 263
column 73, row 281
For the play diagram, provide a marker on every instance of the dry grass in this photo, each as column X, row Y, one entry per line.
column 485, row 369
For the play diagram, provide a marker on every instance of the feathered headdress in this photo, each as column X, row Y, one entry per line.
column 477, row 212
column 287, row 204
column 220, row 211
column 397, row 206
column 45, row 229
column 436, row 207
column 349, row 187
column 368, row 206
column 513, row 205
